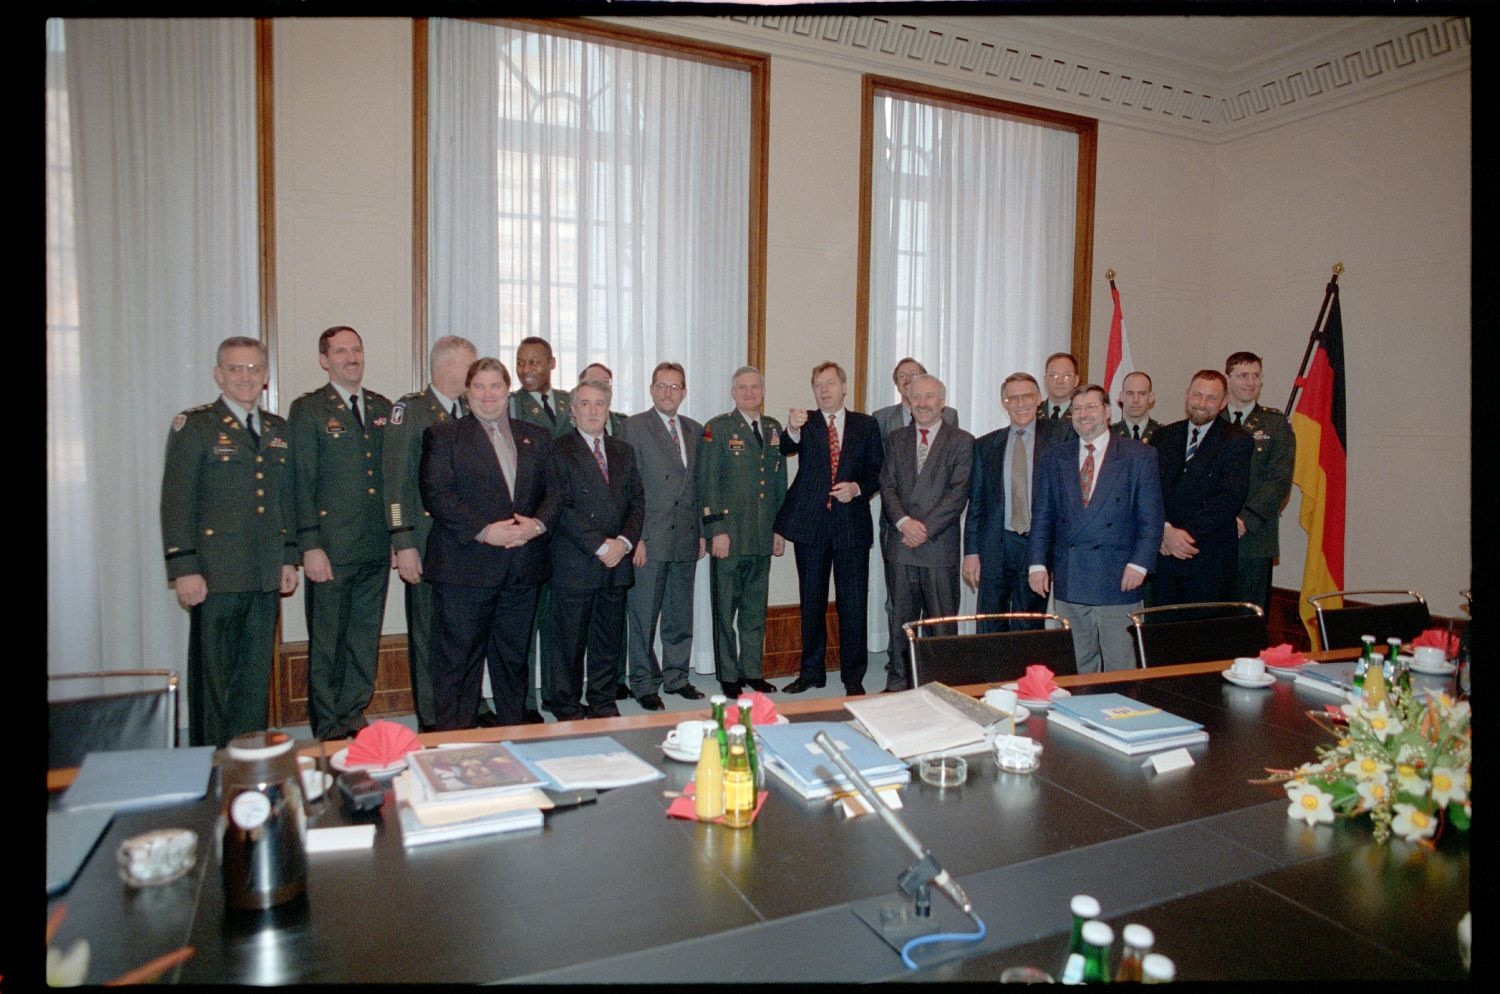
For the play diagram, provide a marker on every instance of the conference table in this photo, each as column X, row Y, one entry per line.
column 615, row 891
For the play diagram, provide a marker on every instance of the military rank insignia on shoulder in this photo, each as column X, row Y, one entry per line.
column 1271, row 412
column 398, row 412
column 708, row 436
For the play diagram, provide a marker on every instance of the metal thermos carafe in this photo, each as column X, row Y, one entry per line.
column 262, row 827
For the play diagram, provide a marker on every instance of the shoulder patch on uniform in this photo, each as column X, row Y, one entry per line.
column 398, row 412
column 708, row 436
column 178, row 422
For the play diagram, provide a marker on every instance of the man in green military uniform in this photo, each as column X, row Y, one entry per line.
column 1259, row 521
column 338, row 431
column 407, row 516
column 535, row 402
column 1136, row 400
column 227, row 526
column 741, row 483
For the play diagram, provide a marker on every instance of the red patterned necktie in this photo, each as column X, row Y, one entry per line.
column 921, row 449
column 1086, row 474
column 833, row 457
column 599, row 458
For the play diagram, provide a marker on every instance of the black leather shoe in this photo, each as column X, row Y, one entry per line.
column 688, row 691
column 854, row 689
column 486, row 718
column 651, row 702
column 893, row 690
column 622, row 693
column 730, row 690
column 604, row 711
column 764, row 686
column 534, row 717
column 799, row 685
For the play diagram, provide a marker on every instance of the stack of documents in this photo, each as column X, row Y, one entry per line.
column 789, row 752
column 460, row 792
column 917, row 722
column 1123, row 724
column 594, row 762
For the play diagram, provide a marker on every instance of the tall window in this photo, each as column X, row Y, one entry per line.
column 974, row 259
column 593, row 194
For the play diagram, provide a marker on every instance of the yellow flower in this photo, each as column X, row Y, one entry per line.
column 1412, row 823
column 1309, row 803
column 1447, row 785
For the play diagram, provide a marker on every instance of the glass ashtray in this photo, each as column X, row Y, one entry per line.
column 158, row 857
column 1017, row 753
column 943, row 771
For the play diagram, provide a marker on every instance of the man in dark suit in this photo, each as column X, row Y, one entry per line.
column 1205, row 476
column 924, row 485
column 602, row 373
column 827, row 517
column 338, row 435
column 1136, row 400
column 600, row 510
column 484, row 480
column 1259, row 521
column 227, row 527
column 409, row 520
column 666, row 557
column 1001, row 492
column 1095, row 527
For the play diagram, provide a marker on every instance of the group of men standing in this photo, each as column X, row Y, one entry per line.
column 541, row 518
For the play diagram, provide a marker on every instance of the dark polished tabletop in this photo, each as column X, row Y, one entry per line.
column 616, row 891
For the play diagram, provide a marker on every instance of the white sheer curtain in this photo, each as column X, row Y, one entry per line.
column 971, row 259
column 151, row 261
column 596, row 196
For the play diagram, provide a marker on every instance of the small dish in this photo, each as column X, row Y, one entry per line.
column 1446, row 669
column 1264, row 680
column 340, row 762
column 679, row 754
column 944, row 771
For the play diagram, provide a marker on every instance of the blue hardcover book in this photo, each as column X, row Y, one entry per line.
column 594, row 762
column 140, row 778
column 791, row 747
column 1122, row 717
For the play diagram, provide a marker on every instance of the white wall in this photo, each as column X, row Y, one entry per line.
column 1218, row 247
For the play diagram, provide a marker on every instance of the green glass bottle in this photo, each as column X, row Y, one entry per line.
column 1084, row 909
column 718, row 703
column 1097, row 938
column 748, row 723
column 1366, row 657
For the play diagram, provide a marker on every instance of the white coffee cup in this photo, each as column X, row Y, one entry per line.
column 688, row 736
column 1430, row 656
column 1248, row 668
column 1001, row 700
column 313, row 781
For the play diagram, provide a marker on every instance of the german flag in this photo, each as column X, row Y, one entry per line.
column 1322, row 451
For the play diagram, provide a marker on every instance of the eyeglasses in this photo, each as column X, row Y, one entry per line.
column 1093, row 408
column 243, row 367
column 1024, row 399
column 1061, row 376
column 668, row 387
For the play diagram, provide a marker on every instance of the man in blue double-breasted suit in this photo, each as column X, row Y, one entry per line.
column 1095, row 529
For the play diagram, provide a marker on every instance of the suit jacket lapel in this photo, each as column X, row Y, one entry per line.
column 1213, row 437
column 526, row 466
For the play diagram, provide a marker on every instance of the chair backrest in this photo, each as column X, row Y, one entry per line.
column 1341, row 627
column 986, row 657
column 1196, row 633
column 130, row 719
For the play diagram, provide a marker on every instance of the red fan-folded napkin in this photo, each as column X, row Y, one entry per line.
column 1037, row 684
column 1282, row 656
column 381, row 743
column 762, row 709
column 1439, row 638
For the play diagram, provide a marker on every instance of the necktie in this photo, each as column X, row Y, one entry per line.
column 505, row 452
column 1086, row 474
column 755, row 428
column 676, row 439
column 833, row 456
column 354, row 406
column 455, row 409
column 1136, row 429
column 1020, row 498
column 1239, row 417
column 1192, row 446
column 548, row 408
column 1056, row 412
column 599, row 458
column 250, row 427
column 921, row 449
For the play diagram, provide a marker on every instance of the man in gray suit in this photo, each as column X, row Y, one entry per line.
column 924, row 485
column 666, row 557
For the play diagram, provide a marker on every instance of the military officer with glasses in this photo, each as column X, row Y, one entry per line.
column 227, row 528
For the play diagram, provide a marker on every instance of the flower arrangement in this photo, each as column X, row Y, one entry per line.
column 1404, row 761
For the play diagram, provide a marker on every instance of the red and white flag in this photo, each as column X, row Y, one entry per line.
column 1117, row 362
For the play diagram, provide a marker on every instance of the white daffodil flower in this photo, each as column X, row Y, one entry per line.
column 1310, row 804
column 1412, row 823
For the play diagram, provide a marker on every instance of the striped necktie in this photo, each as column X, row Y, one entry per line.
column 1192, row 449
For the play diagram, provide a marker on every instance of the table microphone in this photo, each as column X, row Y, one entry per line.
column 942, row 879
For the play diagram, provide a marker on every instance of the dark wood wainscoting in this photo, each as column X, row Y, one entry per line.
column 289, row 682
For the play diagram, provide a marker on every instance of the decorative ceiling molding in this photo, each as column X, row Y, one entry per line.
column 992, row 56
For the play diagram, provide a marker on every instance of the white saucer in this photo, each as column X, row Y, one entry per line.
column 1265, row 680
column 340, row 762
column 1057, row 694
column 1020, row 714
column 1285, row 672
column 681, row 755
column 1446, row 669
